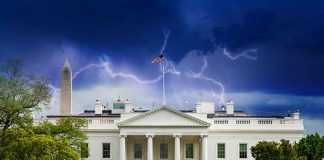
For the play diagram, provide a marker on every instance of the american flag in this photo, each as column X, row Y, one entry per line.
column 158, row 59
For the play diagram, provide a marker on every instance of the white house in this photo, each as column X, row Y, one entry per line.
column 124, row 133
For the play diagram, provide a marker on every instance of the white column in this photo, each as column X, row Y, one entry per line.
column 150, row 146
column 122, row 149
column 204, row 152
column 177, row 146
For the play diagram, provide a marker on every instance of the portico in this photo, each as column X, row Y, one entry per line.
column 178, row 137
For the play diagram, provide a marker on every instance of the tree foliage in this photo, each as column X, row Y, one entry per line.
column 320, row 149
column 286, row 151
column 20, row 138
column 274, row 151
column 265, row 151
column 307, row 146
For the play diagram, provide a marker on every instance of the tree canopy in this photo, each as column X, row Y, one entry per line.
column 309, row 148
column 265, row 150
column 22, row 138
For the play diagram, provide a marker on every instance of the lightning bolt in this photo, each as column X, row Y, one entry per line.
column 88, row 67
column 55, row 92
column 168, row 67
column 243, row 54
column 165, row 42
column 131, row 76
column 200, row 75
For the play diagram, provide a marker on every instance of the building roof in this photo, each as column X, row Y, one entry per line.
column 198, row 122
column 217, row 114
column 89, row 113
column 242, row 114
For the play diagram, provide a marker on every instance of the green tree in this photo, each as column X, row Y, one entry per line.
column 20, row 95
column 320, row 150
column 286, row 151
column 20, row 138
column 265, row 151
column 307, row 146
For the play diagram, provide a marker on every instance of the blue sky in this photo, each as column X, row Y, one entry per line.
column 285, row 73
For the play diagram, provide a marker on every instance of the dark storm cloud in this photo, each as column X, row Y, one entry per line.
column 288, row 34
column 290, row 47
column 265, row 27
column 255, row 29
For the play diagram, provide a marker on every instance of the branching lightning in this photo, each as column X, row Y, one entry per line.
column 88, row 67
column 243, row 54
column 131, row 76
column 200, row 75
column 165, row 67
column 168, row 65
column 165, row 42
column 168, row 68
column 55, row 92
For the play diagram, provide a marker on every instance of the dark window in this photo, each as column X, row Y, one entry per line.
column 163, row 150
column 243, row 150
column 106, row 150
column 221, row 150
column 137, row 150
column 118, row 106
column 189, row 150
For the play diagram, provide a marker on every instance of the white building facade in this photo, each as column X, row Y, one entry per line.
column 124, row 133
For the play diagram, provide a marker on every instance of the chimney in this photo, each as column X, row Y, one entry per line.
column 206, row 107
column 98, row 107
column 296, row 115
column 230, row 107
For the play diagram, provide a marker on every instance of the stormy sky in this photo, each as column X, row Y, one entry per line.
column 285, row 73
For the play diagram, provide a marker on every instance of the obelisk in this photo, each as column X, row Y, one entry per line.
column 66, row 90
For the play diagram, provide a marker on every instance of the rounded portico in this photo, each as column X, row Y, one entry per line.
column 163, row 134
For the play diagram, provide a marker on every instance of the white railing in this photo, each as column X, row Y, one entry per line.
column 255, row 121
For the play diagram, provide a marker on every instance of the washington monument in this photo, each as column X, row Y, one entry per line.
column 66, row 89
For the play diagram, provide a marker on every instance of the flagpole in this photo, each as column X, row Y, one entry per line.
column 163, row 85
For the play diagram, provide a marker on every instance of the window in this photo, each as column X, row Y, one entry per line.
column 163, row 150
column 264, row 121
column 103, row 121
column 84, row 150
column 118, row 106
column 137, row 150
column 189, row 150
column 89, row 121
column 221, row 150
column 106, row 121
column 111, row 121
column 242, row 121
column 106, row 150
column 243, row 150
column 220, row 121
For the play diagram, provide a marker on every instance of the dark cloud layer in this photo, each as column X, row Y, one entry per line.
column 289, row 36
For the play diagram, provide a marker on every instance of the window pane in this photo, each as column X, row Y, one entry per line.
column 138, row 150
column 118, row 106
column 221, row 150
column 163, row 150
column 106, row 150
column 189, row 150
column 243, row 150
